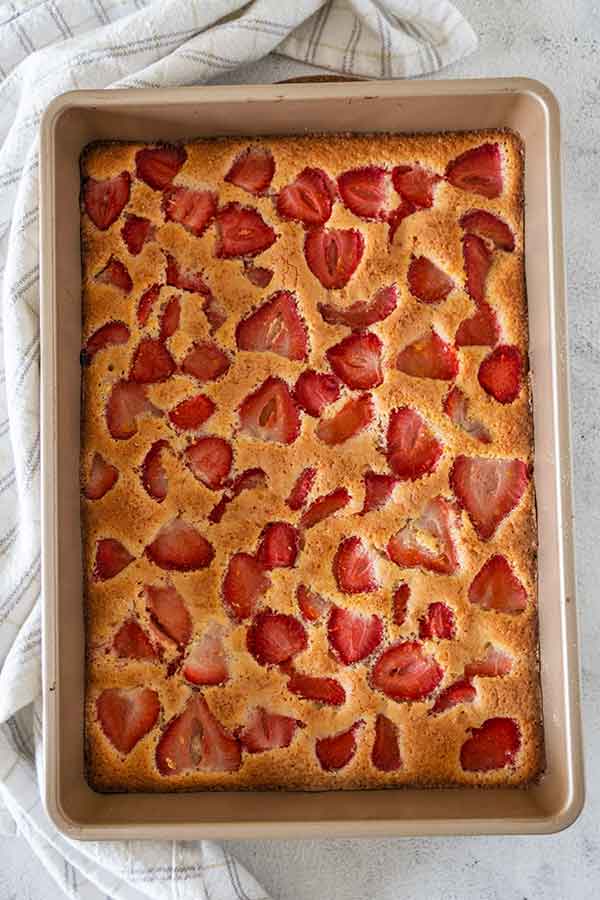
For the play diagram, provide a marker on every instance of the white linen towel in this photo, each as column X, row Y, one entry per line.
column 48, row 47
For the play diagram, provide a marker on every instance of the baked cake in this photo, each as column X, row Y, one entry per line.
column 308, row 509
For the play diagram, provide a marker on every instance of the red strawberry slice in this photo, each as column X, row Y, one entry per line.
column 406, row 672
column 488, row 489
column 169, row 320
column 127, row 401
column 244, row 584
column 357, row 361
column 438, row 622
column 127, row 715
column 481, row 330
column 478, row 170
column 365, row 191
column 307, row 199
column 185, row 279
column 363, row 313
column 492, row 746
column 356, row 415
column 495, row 663
column 195, row 210
column 316, row 390
column 497, row 587
column 354, row 567
column 195, row 739
column 378, row 490
column 435, row 524
column 205, row 361
column 104, row 201
column 333, row 255
column 500, row 373
column 103, row 476
column 116, row 274
column 214, row 312
column 111, row 333
column 267, row 731
column 325, row 506
column 412, row 449
column 168, row 614
column 322, row 690
column 429, row 357
column 132, row 642
column 259, row 276
column 461, row 691
column 111, row 558
column 397, row 216
column 302, row 488
column 386, row 750
column 351, row 635
column 206, row 662
column 154, row 477
column 251, row 478
column 274, row 638
column 337, row 751
column 400, row 601
column 270, row 413
column 415, row 184
column 210, row 459
column 276, row 326
column 311, row 605
column 427, row 282
column 147, row 301
column 151, row 363
column 478, row 260
column 279, row 544
column 190, row 414
column 179, row 546
column 456, row 406
column 252, row 170
column 137, row 231
column 242, row 231
column 488, row 226
column 158, row 166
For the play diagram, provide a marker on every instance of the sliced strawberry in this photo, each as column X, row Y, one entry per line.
column 151, row 362
column 497, row 587
column 116, row 274
column 311, row 605
column 245, row 582
column 111, row 333
column 147, row 301
column 478, row 260
column 206, row 662
column 168, row 614
column 190, row 414
column 492, row 746
column 136, row 231
column 195, row 739
column 214, row 312
column 363, row 313
column 429, row 357
column 427, row 282
column 456, row 406
column 354, row 567
column 495, row 663
column 274, row 638
column 488, row 226
column 400, row 601
column 267, row 731
column 279, row 544
column 179, row 546
column 356, row 415
column 488, row 489
column 259, row 276
column 127, row 401
column 412, row 449
column 103, row 476
column 357, row 361
column 378, row 490
column 325, row 506
column 111, row 558
column 242, row 231
column 322, row 690
column 127, row 715
column 250, row 478
column 302, row 488
column 185, row 279
column 276, row 326
column 415, row 184
column 364, row 191
column 252, row 170
column 462, row 691
column 169, row 320
column 307, row 199
column 104, row 201
column 209, row 459
column 500, row 373
column 481, row 330
column 397, row 216
column 205, row 361
column 406, row 672
column 132, row 642
column 195, row 210
column 316, row 390
column 337, row 751
column 409, row 550
column 351, row 635
column 158, row 166
column 438, row 622
column 478, row 170
column 386, row 750
column 333, row 255
column 270, row 413
column 154, row 477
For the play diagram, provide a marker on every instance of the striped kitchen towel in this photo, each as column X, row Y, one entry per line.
column 48, row 47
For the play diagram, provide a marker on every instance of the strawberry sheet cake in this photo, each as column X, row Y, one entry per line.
column 307, row 499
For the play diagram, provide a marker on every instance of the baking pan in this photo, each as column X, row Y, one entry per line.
column 71, row 122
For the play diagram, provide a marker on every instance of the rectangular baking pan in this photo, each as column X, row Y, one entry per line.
column 74, row 120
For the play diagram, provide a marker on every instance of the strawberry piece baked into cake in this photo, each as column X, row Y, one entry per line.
column 307, row 456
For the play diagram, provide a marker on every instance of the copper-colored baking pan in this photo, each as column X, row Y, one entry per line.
column 69, row 124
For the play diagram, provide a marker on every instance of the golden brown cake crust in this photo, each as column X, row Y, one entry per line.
column 430, row 745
